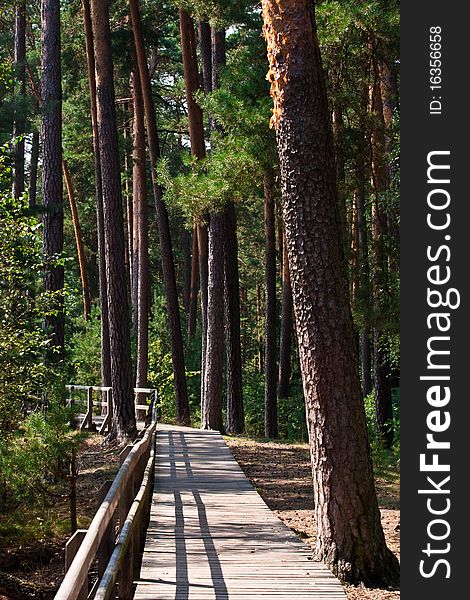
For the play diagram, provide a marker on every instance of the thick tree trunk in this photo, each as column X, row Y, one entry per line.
column 103, row 294
column 270, row 370
column 235, row 410
column 350, row 538
column 124, row 424
column 78, row 241
column 19, row 125
column 214, row 353
column 166, row 250
column 380, row 283
column 285, row 344
column 140, row 233
column 53, row 220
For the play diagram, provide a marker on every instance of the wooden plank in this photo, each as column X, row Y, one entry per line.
column 212, row 536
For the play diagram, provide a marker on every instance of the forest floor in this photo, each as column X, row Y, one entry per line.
column 32, row 538
column 281, row 473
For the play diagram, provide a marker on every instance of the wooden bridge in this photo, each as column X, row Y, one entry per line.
column 209, row 535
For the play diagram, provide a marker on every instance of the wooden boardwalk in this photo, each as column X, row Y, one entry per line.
column 211, row 536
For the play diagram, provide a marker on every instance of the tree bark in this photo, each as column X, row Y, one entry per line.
column 350, row 538
column 214, row 352
column 198, row 150
column 166, row 250
column 285, row 344
column 270, row 370
column 205, row 46
column 124, row 424
column 53, row 220
column 141, row 250
column 19, row 125
column 103, row 294
column 78, row 241
column 235, row 409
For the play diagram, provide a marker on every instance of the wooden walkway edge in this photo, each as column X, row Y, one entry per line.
column 211, row 536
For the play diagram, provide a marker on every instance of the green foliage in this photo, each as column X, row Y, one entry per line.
column 34, row 460
column 382, row 457
column 85, row 350
column 22, row 340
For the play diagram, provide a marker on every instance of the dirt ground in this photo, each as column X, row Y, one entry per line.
column 281, row 474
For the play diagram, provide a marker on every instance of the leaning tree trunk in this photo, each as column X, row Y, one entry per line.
column 53, row 220
column 19, row 126
column 103, row 295
column 350, row 537
column 124, row 424
column 78, row 241
column 166, row 249
column 270, row 371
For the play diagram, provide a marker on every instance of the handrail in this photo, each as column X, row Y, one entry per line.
column 87, row 422
column 76, row 576
column 115, row 563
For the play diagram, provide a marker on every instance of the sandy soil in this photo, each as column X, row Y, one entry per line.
column 282, row 476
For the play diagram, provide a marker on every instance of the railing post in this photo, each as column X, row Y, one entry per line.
column 71, row 549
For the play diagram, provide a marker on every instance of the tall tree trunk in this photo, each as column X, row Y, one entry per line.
column 33, row 169
column 192, row 314
column 270, row 370
column 166, row 250
column 141, row 251
column 350, row 538
column 53, row 220
column 364, row 292
column 124, row 424
column 285, row 344
column 103, row 293
column 185, row 246
column 235, row 410
column 380, row 279
column 19, row 126
column 214, row 352
column 214, row 355
column 198, row 150
column 205, row 45
column 78, row 241
column 203, row 246
column 131, row 237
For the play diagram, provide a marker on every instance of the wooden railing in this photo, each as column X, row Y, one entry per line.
column 105, row 405
column 117, row 530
